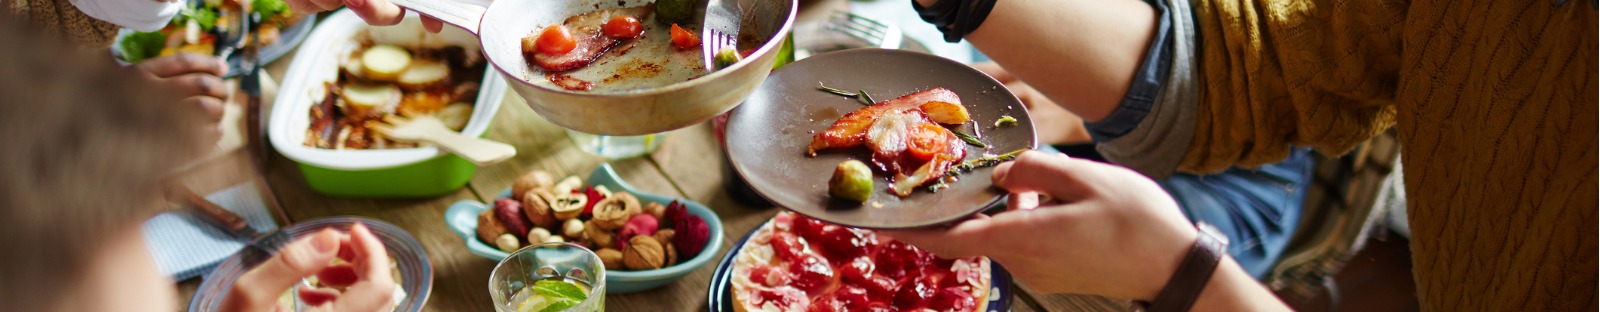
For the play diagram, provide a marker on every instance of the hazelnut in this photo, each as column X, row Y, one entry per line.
column 615, row 211
column 507, row 242
column 489, row 227
column 568, row 205
column 599, row 237
column 538, row 234
column 644, row 253
column 572, row 229
column 612, row 258
column 537, row 207
column 533, row 180
column 664, row 235
column 656, row 209
column 555, row 239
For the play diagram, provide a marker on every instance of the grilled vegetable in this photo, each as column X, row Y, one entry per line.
column 852, row 180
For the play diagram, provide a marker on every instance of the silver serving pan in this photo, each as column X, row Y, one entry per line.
column 500, row 26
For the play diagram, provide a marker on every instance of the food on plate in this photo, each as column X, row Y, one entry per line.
column 624, row 233
column 1005, row 121
column 606, row 50
column 683, row 38
column 579, row 40
column 852, row 180
column 905, row 136
column 379, row 80
column 339, row 275
column 795, row 263
column 726, row 57
column 550, row 295
column 195, row 29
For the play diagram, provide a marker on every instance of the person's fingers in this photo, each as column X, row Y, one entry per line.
column 372, row 261
column 375, row 290
column 327, row 5
column 1022, row 200
column 199, row 84
column 377, row 12
column 966, row 239
column 303, row 6
column 259, row 288
column 433, row 25
column 184, row 63
column 994, row 70
column 211, row 106
column 1057, row 176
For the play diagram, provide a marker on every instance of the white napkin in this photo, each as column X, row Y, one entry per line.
column 185, row 244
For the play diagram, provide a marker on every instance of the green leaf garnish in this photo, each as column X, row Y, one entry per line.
column 971, row 140
column 1005, row 121
column 140, row 46
column 269, row 8
column 559, row 289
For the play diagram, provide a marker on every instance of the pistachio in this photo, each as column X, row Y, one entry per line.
column 538, row 234
column 615, row 211
column 568, row 205
column 643, row 253
column 507, row 242
column 536, row 204
column 573, row 229
column 598, row 236
column 612, row 258
column 533, row 180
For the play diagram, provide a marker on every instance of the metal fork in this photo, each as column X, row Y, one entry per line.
column 234, row 38
column 720, row 26
column 872, row 31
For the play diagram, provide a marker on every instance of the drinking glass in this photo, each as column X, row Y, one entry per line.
column 548, row 261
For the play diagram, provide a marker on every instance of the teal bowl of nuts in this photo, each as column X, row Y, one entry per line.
column 646, row 240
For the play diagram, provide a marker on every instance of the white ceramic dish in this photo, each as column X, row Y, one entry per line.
column 318, row 62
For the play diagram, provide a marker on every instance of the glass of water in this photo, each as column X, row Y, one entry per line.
column 537, row 277
column 613, row 147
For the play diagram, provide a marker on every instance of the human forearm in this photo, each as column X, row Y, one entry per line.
column 1081, row 54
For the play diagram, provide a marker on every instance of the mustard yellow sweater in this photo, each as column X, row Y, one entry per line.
column 1495, row 103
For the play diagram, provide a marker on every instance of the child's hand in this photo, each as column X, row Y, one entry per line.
column 366, row 281
column 196, row 78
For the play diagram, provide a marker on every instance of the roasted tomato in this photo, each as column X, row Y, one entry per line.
column 623, row 27
column 556, row 40
column 683, row 38
column 925, row 140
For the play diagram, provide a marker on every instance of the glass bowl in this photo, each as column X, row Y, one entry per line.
column 415, row 272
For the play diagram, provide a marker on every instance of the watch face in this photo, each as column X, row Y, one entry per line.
column 1211, row 230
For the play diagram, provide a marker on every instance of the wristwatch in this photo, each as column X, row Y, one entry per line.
column 1193, row 273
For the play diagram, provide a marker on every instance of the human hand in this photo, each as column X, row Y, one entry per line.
column 1054, row 124
column 1102, row 229
column 196, row 78
column 366, row 280
column 375, row 12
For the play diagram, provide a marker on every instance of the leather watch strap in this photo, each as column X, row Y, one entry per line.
column 1192, row 274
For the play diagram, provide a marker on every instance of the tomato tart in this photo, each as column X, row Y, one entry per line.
column 796, row 263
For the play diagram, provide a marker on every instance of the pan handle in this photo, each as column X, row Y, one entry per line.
column 467, row 14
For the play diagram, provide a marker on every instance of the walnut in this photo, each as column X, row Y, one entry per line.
column 489, row 227
column 611, row 258
column 537, row 207
column 533, row 180
column 644, row 253
column 600, row 238
column 615, row 211
column 569, row 205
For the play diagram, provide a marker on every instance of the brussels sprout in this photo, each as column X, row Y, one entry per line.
column 852, row 180
column 675, row 11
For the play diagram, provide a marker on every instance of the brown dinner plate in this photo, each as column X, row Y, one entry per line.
column 768, row 134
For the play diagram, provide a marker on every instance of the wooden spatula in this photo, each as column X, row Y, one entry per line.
column 430, row 129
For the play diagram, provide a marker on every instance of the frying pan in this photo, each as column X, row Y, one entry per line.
column 500, row 26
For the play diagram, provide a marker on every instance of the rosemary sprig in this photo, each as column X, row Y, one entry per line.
column 971, row 140
column 984, row 161
column 860, row 95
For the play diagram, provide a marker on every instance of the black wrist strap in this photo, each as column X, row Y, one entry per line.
column 955, row 18
column 1192, row 275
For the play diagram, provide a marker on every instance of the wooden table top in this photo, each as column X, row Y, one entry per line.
column 688, row 165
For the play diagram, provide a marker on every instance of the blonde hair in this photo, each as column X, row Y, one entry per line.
column 88, row 146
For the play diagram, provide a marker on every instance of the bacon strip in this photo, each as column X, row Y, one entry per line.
column 591, row 43
column 851, row 130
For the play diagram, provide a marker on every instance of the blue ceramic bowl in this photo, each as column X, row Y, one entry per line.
column 462, row 217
